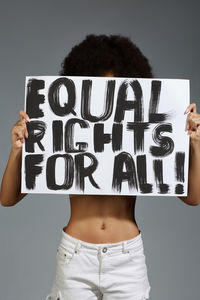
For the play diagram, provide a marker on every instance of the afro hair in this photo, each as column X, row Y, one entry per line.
column 97, row 55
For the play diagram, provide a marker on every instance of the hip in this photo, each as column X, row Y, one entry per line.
column 99, row 230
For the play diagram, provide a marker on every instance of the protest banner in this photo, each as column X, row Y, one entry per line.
column 105, row 135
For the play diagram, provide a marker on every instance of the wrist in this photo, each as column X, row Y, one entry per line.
column 16, row 152
column 195, row 146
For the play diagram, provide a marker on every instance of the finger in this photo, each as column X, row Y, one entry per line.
column 18, row 144
column 192, row 125
column 193, row 120
column 187, row 126
column 18, row 132
column 20, row 123
column 23, row 115
column 189, row 121
column 196, row 119
column 22, row 140
column 26, row 133
column 191, row 108
column 22, row 126
column 188, row 109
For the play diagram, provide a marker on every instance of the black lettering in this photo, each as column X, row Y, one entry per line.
column 154, row 117
column 82, row 172
column 31, row 170
column 166, row 143
column 33, row 99
column 138, row 129
column 36, row 131
column 53, row 97
column 69, row 172
column 158, row 171
column 121, row 160
column 69, row 134
column 124, row 104
column 179, row 171
column 142, row 175
column 101, row 138
column 57, row 134
column 86, row 101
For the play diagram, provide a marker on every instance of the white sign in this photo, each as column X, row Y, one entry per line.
column 106, row 135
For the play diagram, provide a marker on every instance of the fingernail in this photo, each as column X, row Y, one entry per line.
column 27, row 119
column 187, row 110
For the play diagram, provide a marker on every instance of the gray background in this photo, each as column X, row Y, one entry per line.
column 35, row 37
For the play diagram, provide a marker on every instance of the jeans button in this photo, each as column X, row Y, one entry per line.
column 104, row 249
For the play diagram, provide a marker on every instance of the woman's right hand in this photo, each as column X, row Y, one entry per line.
column 10, row 192
column 19, row 131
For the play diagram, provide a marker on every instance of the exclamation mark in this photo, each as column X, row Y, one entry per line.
column 158, row 171
column 179, row 171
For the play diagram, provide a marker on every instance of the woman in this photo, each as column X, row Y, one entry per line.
column 101, row 254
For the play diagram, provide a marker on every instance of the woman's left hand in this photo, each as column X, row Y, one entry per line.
column 193, row 122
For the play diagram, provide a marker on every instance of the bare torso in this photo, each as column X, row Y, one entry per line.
column 102, row 218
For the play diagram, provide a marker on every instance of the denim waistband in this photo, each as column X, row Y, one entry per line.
column 69, row 241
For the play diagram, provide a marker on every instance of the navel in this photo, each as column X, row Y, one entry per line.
column 103, row 226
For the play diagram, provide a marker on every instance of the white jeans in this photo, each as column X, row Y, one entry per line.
column 88, row 271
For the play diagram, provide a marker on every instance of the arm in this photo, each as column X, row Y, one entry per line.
column 193, row 121
column 10, row 187
column 193, row 197
column 11, row 182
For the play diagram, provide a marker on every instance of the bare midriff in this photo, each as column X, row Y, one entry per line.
column 102, row 218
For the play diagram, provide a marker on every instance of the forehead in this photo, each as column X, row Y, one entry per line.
column 109, row 74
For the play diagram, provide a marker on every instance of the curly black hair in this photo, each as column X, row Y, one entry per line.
column 98, row 54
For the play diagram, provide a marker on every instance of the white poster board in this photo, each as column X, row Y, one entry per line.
column 105, row 135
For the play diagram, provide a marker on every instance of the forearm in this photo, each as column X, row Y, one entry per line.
column 11, row 181
column 193, row 197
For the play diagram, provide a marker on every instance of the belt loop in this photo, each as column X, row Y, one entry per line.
column 124, row 247
column 78, row 246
